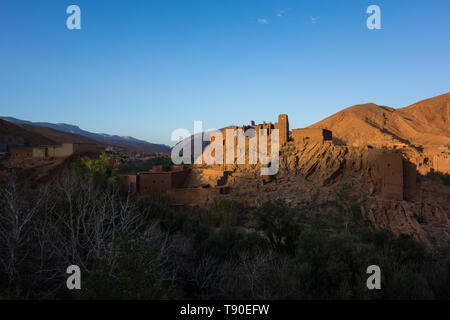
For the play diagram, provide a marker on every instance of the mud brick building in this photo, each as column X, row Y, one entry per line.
column 397, row 178
column 311, row 134
column 54, row 151
column 162, row 178
column 441, row 163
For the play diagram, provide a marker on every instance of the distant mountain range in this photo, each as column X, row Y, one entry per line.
column 125, row 142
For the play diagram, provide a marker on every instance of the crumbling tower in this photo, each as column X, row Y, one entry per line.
column 283, row 126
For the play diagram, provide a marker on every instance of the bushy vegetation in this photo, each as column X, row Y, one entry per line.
column 139, row 166
column 145, row 249
column 445, row 177
column 103, row 171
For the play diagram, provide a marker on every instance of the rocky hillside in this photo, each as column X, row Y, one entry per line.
column 30, row 138
column 423, row 123
column 312, row 172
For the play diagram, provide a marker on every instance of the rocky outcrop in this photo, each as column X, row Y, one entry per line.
column 427, row 222
column 311, row 172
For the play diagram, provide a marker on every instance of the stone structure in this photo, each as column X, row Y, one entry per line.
column 397, row 178
column 196, row 183
column 180, row 185
column 391, row 173
column 409, row 181
column 64, row 150
column 21, row 153
column 429, row 159
column 441, row 163
column 161, row 178
column 298, row 135
column 54, row 151
column 312, row 134
column 283, row 126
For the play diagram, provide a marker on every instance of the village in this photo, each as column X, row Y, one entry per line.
column 394, row 167
column 394, row 175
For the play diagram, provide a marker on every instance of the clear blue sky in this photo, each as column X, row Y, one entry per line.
column 145, row 68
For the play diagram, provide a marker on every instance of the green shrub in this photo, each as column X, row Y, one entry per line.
column 445, row 177
column 279, row 224
column 140, row 166
column 135, row 275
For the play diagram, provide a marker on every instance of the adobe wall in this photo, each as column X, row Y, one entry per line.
column 173, row 182
column 65, row 150
column 160, row 168
column 178, row 178
column 21, row 153
column 441, row 163
column 154, row 182
column 159, row 181
column 300, row 135
column 39, row 152
column 390, row 170
column 409, row 181
column 62, row 151
column 283, row 127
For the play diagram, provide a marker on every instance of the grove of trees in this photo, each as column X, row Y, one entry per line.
column 130, row 248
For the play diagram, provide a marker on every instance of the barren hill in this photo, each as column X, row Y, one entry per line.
column 423, row 123
column 30, row 138
column 430, row 117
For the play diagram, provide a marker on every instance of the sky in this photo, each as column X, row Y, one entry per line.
column 145, row 68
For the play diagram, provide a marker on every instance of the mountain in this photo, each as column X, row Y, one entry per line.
column 424, row 123
column 30, row 138
column 57, row 136
column 429, row 117
column 114, row 140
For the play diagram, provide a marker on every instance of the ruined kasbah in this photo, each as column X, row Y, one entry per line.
column 396, row 183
